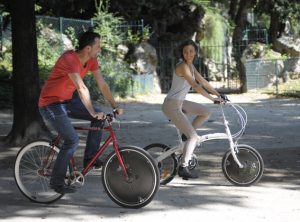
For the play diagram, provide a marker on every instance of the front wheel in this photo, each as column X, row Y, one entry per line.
column 168, row 166
column 141, row 185
column 33, row 169
column 253, row 166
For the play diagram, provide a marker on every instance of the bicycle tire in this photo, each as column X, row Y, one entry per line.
column 139, row 189
column 253, row 168
column 168, row 166
column 32, row 181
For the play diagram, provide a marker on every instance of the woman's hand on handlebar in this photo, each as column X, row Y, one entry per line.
column 222, row 99
column 218, row 100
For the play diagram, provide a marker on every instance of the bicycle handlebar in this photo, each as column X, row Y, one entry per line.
column 224, row 98
column 110, row 116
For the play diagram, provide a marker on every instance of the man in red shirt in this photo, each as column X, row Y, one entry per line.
column 57, row 105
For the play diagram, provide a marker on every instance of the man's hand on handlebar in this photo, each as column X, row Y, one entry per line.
column 102, row 115
column 118, row 111
column 99, row 116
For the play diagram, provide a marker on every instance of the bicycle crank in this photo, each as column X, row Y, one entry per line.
column 75, row 178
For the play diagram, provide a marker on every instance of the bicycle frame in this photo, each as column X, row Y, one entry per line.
column 111, row 138
column 207, row 137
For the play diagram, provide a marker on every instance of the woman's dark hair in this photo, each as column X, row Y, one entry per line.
column 186, row 43
column 87, row 38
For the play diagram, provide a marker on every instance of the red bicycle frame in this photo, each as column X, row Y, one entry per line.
column 111, row 138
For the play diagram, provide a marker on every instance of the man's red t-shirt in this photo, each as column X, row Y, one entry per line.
column 59, row 87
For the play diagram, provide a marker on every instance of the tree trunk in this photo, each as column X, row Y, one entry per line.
column 27, row 122
column 274, row 28
column 241, row 21
column 232, row 9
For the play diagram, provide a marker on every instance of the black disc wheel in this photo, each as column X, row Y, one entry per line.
column 252, row 169
column 140, row 186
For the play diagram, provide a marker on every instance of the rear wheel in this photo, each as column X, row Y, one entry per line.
column 141, row 185
column 168, row 166
column 33, row 168
column 252, row 170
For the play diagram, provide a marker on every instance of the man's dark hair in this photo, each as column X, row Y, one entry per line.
column 87, row 38
column 186, row 43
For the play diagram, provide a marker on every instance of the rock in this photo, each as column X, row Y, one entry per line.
column 55, row 38
column 146, row 58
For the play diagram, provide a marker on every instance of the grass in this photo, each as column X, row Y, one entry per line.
column 289, row 89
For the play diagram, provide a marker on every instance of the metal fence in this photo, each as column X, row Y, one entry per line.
column 269, row 74
column 221, row 71
column 61, row 25
column 218, row 70
column 215, row 62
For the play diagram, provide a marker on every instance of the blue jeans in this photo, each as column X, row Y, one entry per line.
column 57, row 115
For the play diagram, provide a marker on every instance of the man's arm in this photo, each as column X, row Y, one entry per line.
column 84, row 95
column 105, row 90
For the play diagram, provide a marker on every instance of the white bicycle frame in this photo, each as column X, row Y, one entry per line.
column 215, row 136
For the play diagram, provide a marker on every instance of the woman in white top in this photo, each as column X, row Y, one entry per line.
column 175, row 107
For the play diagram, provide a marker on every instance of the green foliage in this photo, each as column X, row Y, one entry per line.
column 116, row 74
column 48, row 50
column 215, row 32
column 264, row 20
column 201, row 2
column 5, row 74
column 259, row 50
column 269, row 54
column 295, row 22
column 146, row 33
column 107, row 26
column 288, row 89
column 137, row 38
column 115, row 70
column 6, row 59
column 283, row 8
column 71, row 34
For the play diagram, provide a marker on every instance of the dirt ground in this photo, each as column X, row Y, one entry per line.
column 273, row 129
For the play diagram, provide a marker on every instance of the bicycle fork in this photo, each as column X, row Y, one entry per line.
column 233, row 147
column 116, row 148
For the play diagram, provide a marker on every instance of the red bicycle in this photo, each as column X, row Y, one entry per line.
column 130, row 176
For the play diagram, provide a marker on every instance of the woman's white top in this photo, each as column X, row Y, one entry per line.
column 180, row 87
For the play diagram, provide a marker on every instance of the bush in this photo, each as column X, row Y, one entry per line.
column 214, row 35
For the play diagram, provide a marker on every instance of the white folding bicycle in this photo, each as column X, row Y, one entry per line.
column 242, row 165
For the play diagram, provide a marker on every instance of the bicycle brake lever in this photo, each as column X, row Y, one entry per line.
column 224, row 97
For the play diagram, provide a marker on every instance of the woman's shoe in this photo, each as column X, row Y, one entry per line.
column 185, row 173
